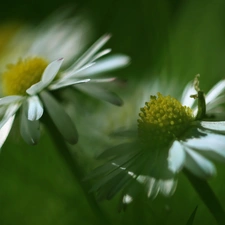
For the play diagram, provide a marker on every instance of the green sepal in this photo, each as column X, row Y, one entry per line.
column 201, row 106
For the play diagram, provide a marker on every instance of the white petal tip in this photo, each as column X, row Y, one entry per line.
column 61, row 59
column 107, row 36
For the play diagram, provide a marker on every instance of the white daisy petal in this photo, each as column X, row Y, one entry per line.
column 73, row 74
column 87, row 56
column 188, row 91
column 102, row 53
column 60, row 118
column 103, row 80
column 168, row 187
column 9, row 112
column 216, row 102
column 66, row 82
column 215, row 91
column 51, row 71
column 199, row 165
column 217, row 126
column 59, row 38
column 100, row 93
column 208, row 142
column 29, row 130
column 35, row 88
column 212, row 145
column 5, row 129
column 35, row 108
column 47, row 77
column 176, row 157
column 105, row 65
column 152, row 186
column 10, row 99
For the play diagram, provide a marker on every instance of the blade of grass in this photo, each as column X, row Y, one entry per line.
column 207, row 196
column 192, row 217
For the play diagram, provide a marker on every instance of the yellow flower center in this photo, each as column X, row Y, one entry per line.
column 162, row 119
column 20, row 76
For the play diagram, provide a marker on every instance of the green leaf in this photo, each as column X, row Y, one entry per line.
column 192, row 217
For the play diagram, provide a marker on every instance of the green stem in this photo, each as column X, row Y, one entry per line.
column 74, row 167
column 207, row 196
column 201, row 106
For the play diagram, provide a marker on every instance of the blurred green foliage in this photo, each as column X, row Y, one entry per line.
column 168, row 39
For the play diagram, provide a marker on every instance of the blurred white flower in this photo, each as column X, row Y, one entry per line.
column 27, row 82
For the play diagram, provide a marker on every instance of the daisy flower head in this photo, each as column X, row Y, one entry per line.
column 28, row 82
column 170, row 136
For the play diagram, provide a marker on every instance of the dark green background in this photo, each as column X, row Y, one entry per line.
column 165, row 39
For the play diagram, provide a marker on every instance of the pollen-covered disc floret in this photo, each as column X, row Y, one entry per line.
column 162, row 120
column 20, row 76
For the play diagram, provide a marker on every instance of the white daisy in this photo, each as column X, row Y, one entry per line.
column 26, row 84
column 169, row 137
